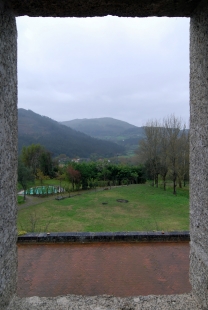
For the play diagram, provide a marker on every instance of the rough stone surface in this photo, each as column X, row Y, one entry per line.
column 105, row 302
column 199, row 153
column 8, row 155
column 91, row 8
column 198, row 10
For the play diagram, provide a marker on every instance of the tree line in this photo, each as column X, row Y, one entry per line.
column 103, row 173
column 35, row 162
column 165, row 151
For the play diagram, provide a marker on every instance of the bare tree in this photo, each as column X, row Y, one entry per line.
column 163, row 155
column 183, row 157
column 175, row 132
column 149, row 149
column 165, row 150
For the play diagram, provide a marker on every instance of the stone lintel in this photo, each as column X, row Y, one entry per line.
column 91, row 8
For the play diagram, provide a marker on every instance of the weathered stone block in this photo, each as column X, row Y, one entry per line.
column 199, row 153
column 198, row 133
column 199, row 275
column 8, row 154
column 8, row 277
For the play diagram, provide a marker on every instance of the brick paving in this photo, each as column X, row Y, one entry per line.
column 118, row 269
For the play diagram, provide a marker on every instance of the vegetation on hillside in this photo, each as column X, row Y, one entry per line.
column 163, row 154
column 109, row 129
column 59, row 139
column 100, row 127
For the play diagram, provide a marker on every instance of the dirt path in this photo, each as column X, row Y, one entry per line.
column 34, row 200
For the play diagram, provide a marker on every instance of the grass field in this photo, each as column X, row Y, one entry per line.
column 148, row 208
column 20, row 199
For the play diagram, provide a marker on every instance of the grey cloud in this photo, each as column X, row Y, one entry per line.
column 129, row 69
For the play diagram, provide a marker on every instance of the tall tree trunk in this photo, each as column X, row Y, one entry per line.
column 174, row 184
column 156, row 179
column 164, row 182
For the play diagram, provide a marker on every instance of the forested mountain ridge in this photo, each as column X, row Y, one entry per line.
column 99, row 127
column 110, row 129
column 60, row 139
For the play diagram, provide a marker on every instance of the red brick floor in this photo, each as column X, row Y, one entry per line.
column 119, row 269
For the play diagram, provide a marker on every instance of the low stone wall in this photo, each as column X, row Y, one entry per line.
column 105, row 237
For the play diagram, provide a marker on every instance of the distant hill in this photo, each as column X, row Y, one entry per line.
column 110, row 129
column 99, row 127
column 60, row 139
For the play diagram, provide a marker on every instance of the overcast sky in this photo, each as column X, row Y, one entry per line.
column 127, row 68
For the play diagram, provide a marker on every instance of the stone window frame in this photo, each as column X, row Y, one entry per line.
column 198, row 11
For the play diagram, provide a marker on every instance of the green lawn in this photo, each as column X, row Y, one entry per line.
column 20, row 199
column 148, row 208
